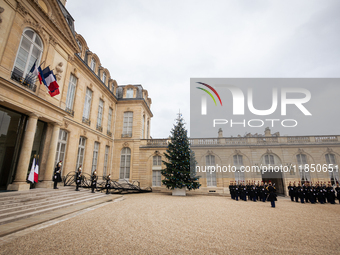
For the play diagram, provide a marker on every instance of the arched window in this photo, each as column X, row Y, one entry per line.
column 302, row 161
column 125, row 158
column 93, row 64
column 238, row 162
column 30, row 51
column 211, row 175
column 156, row 171
column 269, row 159
column 129, row 93
column 332, row 170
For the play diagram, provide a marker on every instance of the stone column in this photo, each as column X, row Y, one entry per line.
column 25, row 156
column 47, row 180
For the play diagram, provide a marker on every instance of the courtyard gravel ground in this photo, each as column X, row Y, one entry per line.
column 158, row 223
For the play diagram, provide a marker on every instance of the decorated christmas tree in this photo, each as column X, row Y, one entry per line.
column 178, row 173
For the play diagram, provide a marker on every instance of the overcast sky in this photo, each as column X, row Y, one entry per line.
column 161, row 44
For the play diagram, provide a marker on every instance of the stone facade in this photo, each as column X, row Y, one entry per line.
column 257, row 151
column 62, row 118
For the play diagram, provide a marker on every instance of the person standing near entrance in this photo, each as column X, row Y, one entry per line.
column 78, row 178
column 107, row 185
column 57, row 174
column 94, row 178
column 272, row 194
column 337, row 189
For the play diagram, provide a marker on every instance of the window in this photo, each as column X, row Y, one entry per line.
column 100, row 114
column 109, row 121
column 30, row 51
column 127, row 125
column 332, row 171
column 61, row 148
column 143, row 124
column 269, row 159
column 70, row 93
column 104, row 77
column 125, row 164
column 156, row 178
column 95, row 156
column 129, row 93
column 87, row 105
column 211, row 175
column 107, row 149
column 157, row 161
column 238, row 160
column 93, row 64
column 80, row 47
column 302, row 160
column 81, row 152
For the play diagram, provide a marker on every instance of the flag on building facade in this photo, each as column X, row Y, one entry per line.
column 36, row 171
column 31, row 175
column 51, row 83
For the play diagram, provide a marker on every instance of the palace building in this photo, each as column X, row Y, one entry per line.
column 93, row 122
column 97, row 124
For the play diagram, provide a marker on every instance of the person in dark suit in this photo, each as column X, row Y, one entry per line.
column 107, row 185
column 94, row 178
column 291, row 191
column 337, row 189
column 272, row 194
column 330, row 193
column 57, row 175
column 78, row 178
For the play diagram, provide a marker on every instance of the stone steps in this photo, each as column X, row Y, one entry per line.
column 22, row 205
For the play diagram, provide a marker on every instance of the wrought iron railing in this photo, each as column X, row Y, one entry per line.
column 69, row 111
column 99, row 128
column 27, row 82
column 86, row 121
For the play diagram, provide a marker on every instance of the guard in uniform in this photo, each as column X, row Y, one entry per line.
column 313, row 194
column 291, row 191
column 337, row 189
column 297, row 192
column 94, row 178
column 272, row 194
column 330, row 194
column 302, row 193
column 78, row 178
column 107, row 185
column 57, row 175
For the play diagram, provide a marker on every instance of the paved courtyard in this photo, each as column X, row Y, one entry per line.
column 158, row 223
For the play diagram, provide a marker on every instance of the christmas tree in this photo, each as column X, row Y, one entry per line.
column 178, row 173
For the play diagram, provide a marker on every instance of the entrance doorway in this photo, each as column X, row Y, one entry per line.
column 11, row 132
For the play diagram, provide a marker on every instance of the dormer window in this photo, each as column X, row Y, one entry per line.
column 80, row 47
column 129, row 93
column 93, row 64
column 104, row 77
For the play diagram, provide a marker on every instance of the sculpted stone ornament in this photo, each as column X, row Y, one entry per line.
column 59, row 70
column 21, row 9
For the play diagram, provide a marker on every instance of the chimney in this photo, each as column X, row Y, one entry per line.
column 220, row 133
column 267, row 132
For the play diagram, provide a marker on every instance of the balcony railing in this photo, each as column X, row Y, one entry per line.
column 69, row 111
column 239, row 141
column 86, row 121
column 99, row 128
column 128, row 135
column 27, row 82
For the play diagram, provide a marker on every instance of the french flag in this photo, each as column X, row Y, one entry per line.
column 37, row 71
column 51, row 83
column 36, row 171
